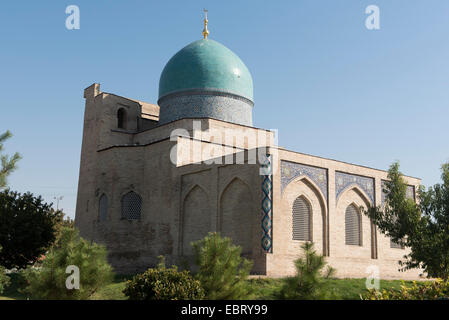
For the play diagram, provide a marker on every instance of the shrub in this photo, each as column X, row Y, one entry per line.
column 48, row 279
column 309, row 282
column 222, row 270
column 164, row 284
column 429, row 290
column 4, row 279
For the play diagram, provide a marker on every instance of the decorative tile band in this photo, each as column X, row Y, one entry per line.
column 291, row 170
column 343, row 180
column 267, row 206
column 409, row 193
column 221, row 107
column 204, row 91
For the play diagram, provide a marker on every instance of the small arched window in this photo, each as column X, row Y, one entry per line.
column 103, row 207
column 395, row 245
column 353, row 226
column 302, row 220
column 131, row 206
column 121, row 118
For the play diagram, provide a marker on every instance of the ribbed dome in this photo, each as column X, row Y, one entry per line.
column 206, row 65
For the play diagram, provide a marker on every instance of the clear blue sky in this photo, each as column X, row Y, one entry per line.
column 332, row 88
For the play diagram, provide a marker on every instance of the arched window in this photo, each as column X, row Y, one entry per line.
column 103, row 207
column 121, row 118
column 353, row 226
column 131, row 205
column 395, row 245
column 302, row 218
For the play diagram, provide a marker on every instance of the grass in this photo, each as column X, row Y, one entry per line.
column 263, row 288
column 341, row 289
column 113, row 291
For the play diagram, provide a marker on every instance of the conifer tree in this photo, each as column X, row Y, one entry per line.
column 309, row 281
column 9, row 164
column 49, row 280
column 221, row 269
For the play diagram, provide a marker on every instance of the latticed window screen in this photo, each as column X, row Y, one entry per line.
column 103, row 207
column 353, row 226
column 301, row 220
column 395, row 245
column 131, row 205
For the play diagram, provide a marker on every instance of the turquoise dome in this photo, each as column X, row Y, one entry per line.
column 206, row 65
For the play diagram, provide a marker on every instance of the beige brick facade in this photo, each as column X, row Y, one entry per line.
column 184, row 199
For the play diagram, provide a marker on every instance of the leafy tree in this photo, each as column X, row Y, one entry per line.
column 222, row 271
column 309, row 282
column 48, row 280
column 9, row 164
column 27, row 228
column 423, row 226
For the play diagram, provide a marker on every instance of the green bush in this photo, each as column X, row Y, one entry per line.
column 222, row 270
column 429, row 290
column 309, row 282
column 48, row 279
column 4, row 279
column 164, row 284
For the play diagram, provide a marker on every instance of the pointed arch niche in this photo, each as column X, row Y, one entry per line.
column 305, row 189
column 349, row 198
column 196, row 218
column 237, row 218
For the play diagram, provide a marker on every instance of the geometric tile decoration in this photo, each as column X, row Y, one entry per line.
column 291, row 170
column 203, row 104
column 409, row 192
column 343, row 180
column 267, row 206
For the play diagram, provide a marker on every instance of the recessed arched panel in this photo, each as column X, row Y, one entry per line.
column 313, row 216
column 196, row 218
column 103, row 207
column 236, row 215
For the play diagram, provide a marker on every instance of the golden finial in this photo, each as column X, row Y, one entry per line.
column 205, row 31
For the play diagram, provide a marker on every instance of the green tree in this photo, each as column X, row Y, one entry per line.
column 221, row 269
column 48, row 280
column 423, row 226
column 28, row 228
column 310, row 279
column 9, row 164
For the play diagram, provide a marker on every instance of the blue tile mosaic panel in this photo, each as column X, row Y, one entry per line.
column 344, row 180
column 409, row 193
column 267, row 206
column 290, row 171
column 214, row 105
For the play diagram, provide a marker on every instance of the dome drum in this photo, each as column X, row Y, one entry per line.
column 206, row 104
